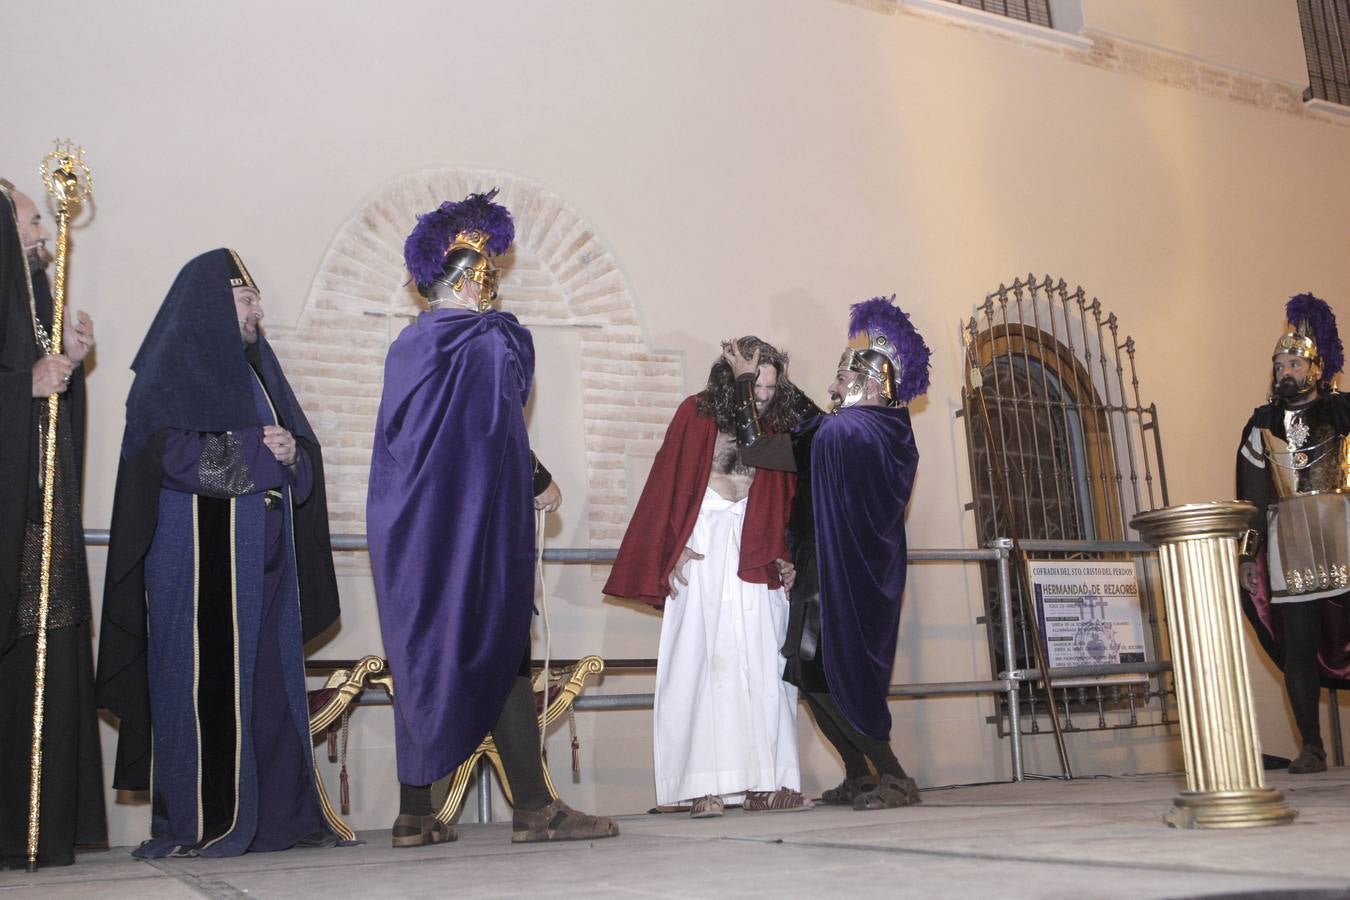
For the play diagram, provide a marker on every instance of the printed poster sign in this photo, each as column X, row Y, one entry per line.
column 1090, row 615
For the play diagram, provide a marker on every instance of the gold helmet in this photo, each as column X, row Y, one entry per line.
column 1312, row 335
column 456, row 241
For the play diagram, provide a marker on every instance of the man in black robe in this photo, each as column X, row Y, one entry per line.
column 72, row 810
column 219, row 569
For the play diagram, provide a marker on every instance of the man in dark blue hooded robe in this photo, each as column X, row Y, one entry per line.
column 219, row 570
column 855, row 470
column 72, row 811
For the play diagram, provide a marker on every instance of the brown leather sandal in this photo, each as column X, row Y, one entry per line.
column 709, row 807
column 891, row 792
column 848, row 790
column 781, row 800
column 559, row 822
column 418, row 831
column 1311, row 758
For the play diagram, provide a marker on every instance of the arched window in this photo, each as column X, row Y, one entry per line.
column 1050, row 441
column 1061, row 446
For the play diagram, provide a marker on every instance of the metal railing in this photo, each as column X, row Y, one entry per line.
column 1006, row 683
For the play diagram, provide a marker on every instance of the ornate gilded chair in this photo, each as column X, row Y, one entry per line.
column 326, row 706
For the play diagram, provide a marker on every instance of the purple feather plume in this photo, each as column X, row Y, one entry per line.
column 880, row 314
column 1319, row 322
column 424, row 250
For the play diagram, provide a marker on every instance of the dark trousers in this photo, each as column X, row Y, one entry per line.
column 862, row 755
column 516, row 735
column 1302, row 626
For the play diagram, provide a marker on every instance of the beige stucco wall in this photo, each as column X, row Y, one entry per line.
column 752, row 165
column 1255, row 36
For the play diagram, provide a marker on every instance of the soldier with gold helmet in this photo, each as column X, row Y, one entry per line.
column 855, row 472
column 1292, row 466
column 450, row 514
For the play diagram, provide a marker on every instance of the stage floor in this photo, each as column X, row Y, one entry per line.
column 1100, row 837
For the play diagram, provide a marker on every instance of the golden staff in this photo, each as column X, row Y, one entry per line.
column 69, row 183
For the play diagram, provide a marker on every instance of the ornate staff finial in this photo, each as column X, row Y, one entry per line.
column 67, row 177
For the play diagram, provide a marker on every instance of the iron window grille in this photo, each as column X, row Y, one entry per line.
column 1326, row 44
column 1037, row 12
column 1053, row 416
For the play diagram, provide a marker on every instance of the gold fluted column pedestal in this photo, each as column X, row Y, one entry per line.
column 1249, row 808
column 1198, row 555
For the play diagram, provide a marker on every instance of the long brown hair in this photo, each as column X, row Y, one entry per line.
column 718, row 399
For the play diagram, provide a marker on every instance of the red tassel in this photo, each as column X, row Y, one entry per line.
column 332, row 743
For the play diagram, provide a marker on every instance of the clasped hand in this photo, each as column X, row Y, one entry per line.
column 281, row 442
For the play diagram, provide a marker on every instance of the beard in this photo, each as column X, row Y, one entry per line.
column 1289, row 389
column 38, row 257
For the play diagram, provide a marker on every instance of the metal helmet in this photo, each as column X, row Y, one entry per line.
column 1311, row 334
column 884, row 347
column 456, row 241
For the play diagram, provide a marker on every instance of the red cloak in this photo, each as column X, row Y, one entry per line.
column 668, row 509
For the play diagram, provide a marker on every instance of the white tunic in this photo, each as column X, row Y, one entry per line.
column 724, row 721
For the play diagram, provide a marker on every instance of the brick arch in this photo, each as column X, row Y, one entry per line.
column 558, row 273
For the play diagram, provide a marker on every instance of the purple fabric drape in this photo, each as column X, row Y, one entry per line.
column 450, row 522
column 863, row 461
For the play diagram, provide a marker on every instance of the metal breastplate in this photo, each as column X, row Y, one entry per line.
column 1308, row 462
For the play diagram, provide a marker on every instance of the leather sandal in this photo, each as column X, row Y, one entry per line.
column 708, row 807
column 559, row 822
column 781, row 800
column 848, row 790
column 418, row 831
column 891, row 792
column 1311, row 758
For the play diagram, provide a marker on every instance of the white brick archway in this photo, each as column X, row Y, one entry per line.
column 559, row 273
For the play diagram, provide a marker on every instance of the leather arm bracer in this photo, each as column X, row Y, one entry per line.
column 747, row 417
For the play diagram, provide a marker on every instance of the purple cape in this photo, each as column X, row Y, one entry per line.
column 862, row 471
column 450, row 520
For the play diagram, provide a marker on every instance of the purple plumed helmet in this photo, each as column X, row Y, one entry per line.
column 889, row 331
column 474, row 222
column 1312, row 334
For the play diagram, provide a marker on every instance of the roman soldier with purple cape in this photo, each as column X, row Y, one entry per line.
column 855, row 470
column 219, row 570
column 450, row 519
